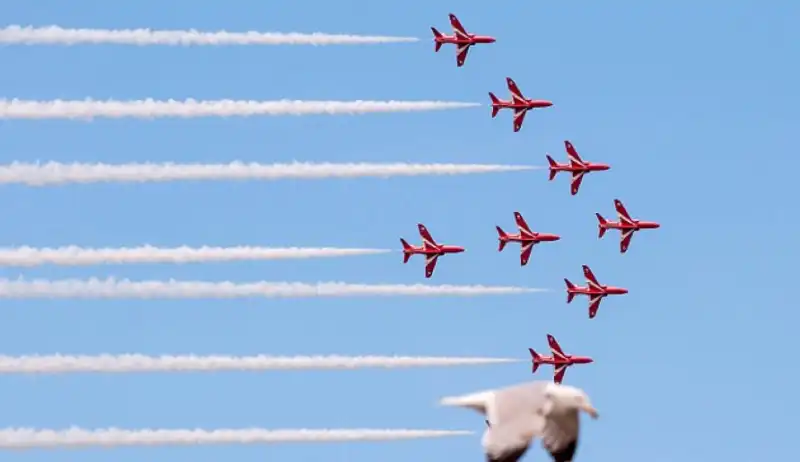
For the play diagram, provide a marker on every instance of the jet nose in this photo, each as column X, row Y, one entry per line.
column 492, row 40
column 623, row 291
column 556, row 238
column 547, row 103
column 656, row 225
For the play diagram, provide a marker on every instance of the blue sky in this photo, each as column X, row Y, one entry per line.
column 692, row 103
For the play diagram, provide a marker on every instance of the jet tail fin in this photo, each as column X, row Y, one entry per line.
column 553, row 164
column 436, row 35
column 502, row 235
column 406, row 248
column 570, row 286
column 535, row 358
column 495, row 102
column 602, row 221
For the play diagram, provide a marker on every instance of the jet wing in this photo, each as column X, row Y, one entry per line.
column 622, row 213
column 525, row 253
column 555, row 348
column 519, row 117
column 594, row 304
column 573, row 156
column 516, row 95
column 522, row 225
column 577, row 178
column 591, row 280
column 430, row 265
column 461, row 54
column 458, row 29
column 427, row 240
column 558, row 373
column 625, row 240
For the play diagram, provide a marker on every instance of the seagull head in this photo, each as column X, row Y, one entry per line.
column 572, row 398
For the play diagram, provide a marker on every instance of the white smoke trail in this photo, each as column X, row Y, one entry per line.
column 149, row 108
column 55, row 173
column 62, row 364
column 125, row 289
column 55, row 35
column 28, row 438
column 78, row 256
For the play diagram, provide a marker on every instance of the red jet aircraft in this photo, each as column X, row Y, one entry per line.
column 576, row 165
column 560, row 360
column 593, row 289
column 461, row 38
column 526, row 237
column 429, row 248
column 626, row 225
column 518, row 103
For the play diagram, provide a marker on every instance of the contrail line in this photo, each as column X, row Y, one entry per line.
column 128, row 363
column 29, row 438
column 171, row 289
column 78, row 256
column 56, row 35
column 149, row 108
column 56, row 173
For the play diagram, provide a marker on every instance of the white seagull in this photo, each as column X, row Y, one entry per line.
column 517, row 414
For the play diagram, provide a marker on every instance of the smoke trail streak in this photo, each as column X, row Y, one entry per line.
column 28, row 438
column 55, row 173
column 56, row 35
column 78, row 256
column 125, row 289
column 149, row 108
column 64, row 364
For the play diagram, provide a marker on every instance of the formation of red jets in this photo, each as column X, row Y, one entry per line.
column 576, row 166
column 463, row 40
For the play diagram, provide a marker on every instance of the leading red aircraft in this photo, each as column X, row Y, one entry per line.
column 576, row 165
column 526, row 237
column 461, row 38
column 560, row 360
column 429, row 248
column 626, row 225
column 518, row 103
column 594, row 290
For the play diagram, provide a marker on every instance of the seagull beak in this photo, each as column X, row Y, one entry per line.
column 591, row 411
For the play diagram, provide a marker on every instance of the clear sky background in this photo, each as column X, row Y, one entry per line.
column 692, row 103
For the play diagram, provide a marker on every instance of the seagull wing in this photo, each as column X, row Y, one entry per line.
column 517, row 417
column 560, row 435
